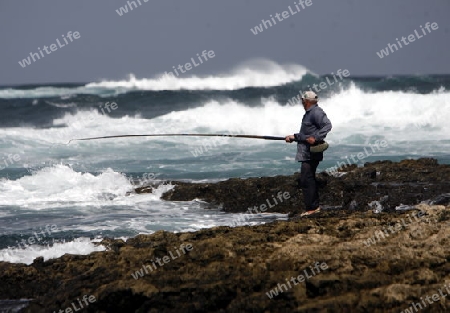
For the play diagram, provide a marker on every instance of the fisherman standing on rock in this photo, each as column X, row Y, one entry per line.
column 310, row 146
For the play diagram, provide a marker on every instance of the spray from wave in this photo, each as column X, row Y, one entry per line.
column 56, row 186
column 254, row 73
column 80, row 246
column 257, row 73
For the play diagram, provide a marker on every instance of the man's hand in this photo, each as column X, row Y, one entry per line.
column 289, row 138
column 311, row 140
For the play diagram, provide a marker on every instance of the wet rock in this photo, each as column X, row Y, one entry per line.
column 408, row 182
column 443, row 199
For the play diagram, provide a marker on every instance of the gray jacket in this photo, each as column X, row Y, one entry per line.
column 315, row 123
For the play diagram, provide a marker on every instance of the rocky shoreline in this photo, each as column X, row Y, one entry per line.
column 345, row 259
column 384, row 183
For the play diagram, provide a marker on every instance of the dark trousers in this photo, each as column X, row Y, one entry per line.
column 309, row 185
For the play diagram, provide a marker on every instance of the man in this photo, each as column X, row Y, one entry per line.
column 315, row 127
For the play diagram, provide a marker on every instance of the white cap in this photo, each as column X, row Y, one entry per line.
column 310, row 95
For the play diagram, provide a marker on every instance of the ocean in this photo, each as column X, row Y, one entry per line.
column 58, row 198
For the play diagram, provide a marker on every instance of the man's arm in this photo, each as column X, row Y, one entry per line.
column 297, row 136
column 300, row 137
column 290, row 138
column 323, row 124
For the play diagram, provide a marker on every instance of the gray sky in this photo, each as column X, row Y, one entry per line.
column 159, row 34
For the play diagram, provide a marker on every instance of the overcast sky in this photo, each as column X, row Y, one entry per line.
column 159, row 34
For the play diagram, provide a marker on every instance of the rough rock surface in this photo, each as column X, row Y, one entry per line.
column 391, row 184
column 367, row 262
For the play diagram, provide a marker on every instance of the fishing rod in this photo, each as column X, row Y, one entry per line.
column 316, row 148
column 170, row 135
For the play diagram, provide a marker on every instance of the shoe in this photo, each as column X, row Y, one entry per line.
column 307, row 213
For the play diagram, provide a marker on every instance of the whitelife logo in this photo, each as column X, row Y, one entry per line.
column 300, row 278
column 53, row 47
column 242, row 218
column 165, row 259
column 376, row 147
column 281, row 17
column 86, row 299
column 8, row 161
column 123, row 10
column 407, row 41
column 207, row 55
column 322, row 85
column 31, row 240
